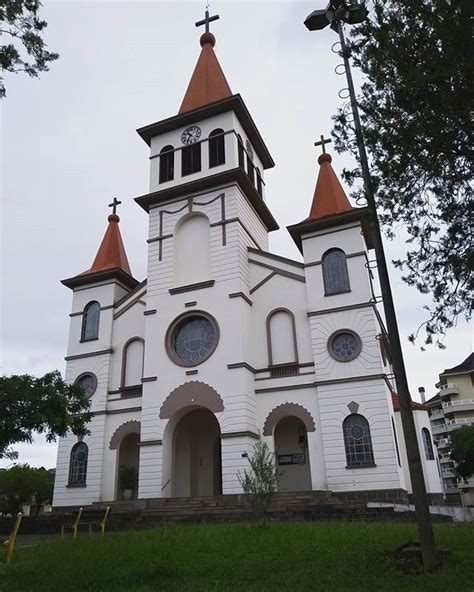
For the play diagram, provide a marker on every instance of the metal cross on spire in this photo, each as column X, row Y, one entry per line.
column 114, row 205
column 322, row 143
column 207, row 19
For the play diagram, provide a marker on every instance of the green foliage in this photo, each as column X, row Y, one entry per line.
column 20, row 22
column 260, row 482
column 23, row 484
column 46, row 405
column 416, row 110
column 128, row 477
column 291, row 557
column 462, row 451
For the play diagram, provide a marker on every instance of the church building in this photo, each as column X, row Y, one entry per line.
column 225, row 343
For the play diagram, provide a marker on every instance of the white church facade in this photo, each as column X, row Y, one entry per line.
column 225, row 344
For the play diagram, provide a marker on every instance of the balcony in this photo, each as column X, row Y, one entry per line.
column 448, row 389
column 445, row 458
column 439, row 428
column 448, row 474
column 462, row 405
column 442, row 443
column 131, row 392
column 282, row 370
column 453, row 424
column 436, row 414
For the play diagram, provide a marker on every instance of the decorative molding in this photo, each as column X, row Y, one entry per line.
column 315, row 234
column 290, row 387
column 348, row 256
column 286, row 410
column 150, row 443
column 127, row 428
column 280, row 377
column 302, row 365
column 279, row 271
column 130, row 304
column 316, row 313
column 115, row 411
column 189, row 304
column 191, row 372
column 353, row 407
column 241, row 295
column 191, row 393
column 150, row 379
column 80, row 313
column 151, row 311
column 241, row 365
column 276, row 257
column 124, row 298
column 351, row 379
column 243, row 434
column 264, row 281
column 192, row 287
column 90, row 354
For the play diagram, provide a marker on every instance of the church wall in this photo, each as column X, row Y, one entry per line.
column 432, row 477
column 373, row 400
column 224, row 121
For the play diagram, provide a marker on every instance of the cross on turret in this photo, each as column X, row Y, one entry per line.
column 114, row 205
column 322, row 143
column 207, row 19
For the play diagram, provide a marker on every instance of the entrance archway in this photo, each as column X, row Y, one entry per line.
column 128, row 466
column 197, row 465
column 292, row 455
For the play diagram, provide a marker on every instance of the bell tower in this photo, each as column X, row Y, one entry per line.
column 207, row 207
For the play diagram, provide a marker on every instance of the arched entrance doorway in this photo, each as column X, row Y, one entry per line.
column 128, row 466
column 292, row 455
column 197, row 466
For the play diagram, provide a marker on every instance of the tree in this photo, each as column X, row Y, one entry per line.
column 46, row 405
column 416, row 108
column 23, row 484
column 260, row 483
column 462, row 451
column 19, row 20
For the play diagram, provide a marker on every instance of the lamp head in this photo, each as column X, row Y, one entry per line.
column 317, row 20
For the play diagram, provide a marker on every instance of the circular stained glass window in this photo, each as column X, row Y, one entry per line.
column 357, row 432
column 88, row 383
column 192, row 339
column 344, row 346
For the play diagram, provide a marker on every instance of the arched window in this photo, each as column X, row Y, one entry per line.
column 428, row 446
column 241, row 153
column 282, row 346
column 78, row 464
column 90, row 321
column 357, row 441
column 191, row 159
column 166, row 164
column 259, row 182
column 132, row 362
column 192, row 246
column 335, row 275
column 216, row 147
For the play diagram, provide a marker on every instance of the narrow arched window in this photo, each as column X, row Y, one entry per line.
column 90, row 321
column 357, row 441
column 191, row 159
column 259, row 182
column 216, row 147
column 78, row 464
column 166, row 164
column 335, row 274
column 132, row 362
column 428, row 446
column 241, row 153
column 250, row 170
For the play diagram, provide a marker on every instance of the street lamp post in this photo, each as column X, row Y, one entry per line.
column 335, row 14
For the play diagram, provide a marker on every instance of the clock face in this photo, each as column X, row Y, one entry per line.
column 191, row 134
column 248, row 145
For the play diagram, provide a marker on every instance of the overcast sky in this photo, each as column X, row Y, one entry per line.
column 69, row 146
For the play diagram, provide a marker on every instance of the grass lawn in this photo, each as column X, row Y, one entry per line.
column 329, row 557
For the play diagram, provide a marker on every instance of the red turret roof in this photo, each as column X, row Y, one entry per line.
column 208, row 83
column 111, row 253
column 329, row 197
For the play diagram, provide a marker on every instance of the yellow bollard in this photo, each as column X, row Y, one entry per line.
column 10, row 543
column 76, row 524
column 102, row 524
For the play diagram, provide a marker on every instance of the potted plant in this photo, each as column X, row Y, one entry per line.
column 128, row 480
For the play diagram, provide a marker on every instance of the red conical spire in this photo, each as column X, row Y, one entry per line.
column 208, row 83
column 111, row 253
column 329, row 197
